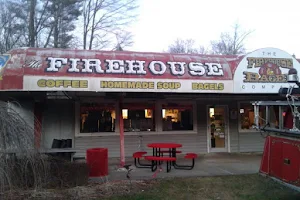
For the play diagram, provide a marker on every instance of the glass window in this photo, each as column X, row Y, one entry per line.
column 177, row 118
column 138, row 119
column 274, row 116
column 247, row 118
column 97, row 118
column 288, row 117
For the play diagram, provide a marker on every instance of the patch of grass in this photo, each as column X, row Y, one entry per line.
column 242, row 187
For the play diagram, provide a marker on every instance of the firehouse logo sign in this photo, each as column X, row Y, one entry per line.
column 269, row 70
column 264, row 71
column 3, row 61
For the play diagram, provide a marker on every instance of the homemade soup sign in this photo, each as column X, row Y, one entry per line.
column 130, row 75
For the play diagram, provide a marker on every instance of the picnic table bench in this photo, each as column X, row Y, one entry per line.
column 155, row 160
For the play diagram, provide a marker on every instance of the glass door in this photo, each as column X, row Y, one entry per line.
column 217, row 129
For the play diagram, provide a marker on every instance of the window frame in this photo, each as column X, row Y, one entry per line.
column 157, row 111
column 77, row 119
column 180, row 103
column 139, row 106
column 240, row 120
column 280, row 119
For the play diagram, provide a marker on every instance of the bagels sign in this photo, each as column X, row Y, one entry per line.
column 264, row 71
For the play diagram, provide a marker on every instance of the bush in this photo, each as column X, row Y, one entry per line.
column 37, row 172
column 29, row 171
column 67, row 174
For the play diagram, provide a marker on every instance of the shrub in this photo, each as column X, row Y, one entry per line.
column 67, row 174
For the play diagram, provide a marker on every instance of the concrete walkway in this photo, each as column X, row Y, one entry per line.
column 213, row 164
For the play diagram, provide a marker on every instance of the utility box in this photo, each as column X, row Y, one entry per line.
column 281, row 159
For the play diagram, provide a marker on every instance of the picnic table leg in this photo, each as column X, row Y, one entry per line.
column 173, row 154
column 169, row 165
column 159, row 154
column 153, row 165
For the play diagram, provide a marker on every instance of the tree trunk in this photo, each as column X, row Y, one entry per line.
column 55, row 34
column 31, row 23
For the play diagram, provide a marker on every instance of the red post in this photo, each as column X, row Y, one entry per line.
column 121, row 128
column 37, row 124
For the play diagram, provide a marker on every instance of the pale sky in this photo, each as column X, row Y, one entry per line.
column 276, row 23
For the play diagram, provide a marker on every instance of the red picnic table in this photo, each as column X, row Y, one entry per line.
column 157, row 157
column 170, row 146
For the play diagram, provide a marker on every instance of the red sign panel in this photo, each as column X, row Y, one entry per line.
column 33, row 62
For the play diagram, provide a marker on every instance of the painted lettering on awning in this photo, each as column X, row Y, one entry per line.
column 133, row 67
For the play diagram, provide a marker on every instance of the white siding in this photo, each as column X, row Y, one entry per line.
column 58, row 122
column 233, row 129
column 251, row 142
column 202, row 127
column 190, row 142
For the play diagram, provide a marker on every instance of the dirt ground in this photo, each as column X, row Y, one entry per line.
column 239, row 187
column 91, row 191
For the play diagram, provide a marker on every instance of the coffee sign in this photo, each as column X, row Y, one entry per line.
column 264, row 71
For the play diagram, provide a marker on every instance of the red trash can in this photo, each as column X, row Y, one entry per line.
column 97, row 161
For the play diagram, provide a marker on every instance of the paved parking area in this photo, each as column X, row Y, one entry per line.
column 213, row 164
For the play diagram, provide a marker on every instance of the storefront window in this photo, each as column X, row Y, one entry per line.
column 247, row 118
column 177, row 118
column 288, row 117
column 274, row 116
column 275, row 121
column 138, row 119
column 97, row 118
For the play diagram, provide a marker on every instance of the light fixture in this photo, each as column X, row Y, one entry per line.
column 125, row 113
column 211, row 112
column 164, row 113
column 148, row 113
column 292, row 76
column 284, row 114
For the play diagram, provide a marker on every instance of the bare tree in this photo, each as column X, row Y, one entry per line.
column 124, row 39
column 186, row 46
column 40, row 28
column 31, row 23
column 231, row 43
column 105, row 20
column 24, row 23
column 12, row 25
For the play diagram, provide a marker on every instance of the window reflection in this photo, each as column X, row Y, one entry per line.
column 177, row 118
column 138, row 119
column 97, row 118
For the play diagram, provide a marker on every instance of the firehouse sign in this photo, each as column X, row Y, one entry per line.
column 33, row 69
column 264, row 71
column 76, row 65
column 126, row 71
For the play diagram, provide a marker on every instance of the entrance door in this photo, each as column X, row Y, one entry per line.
column 217, row 129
